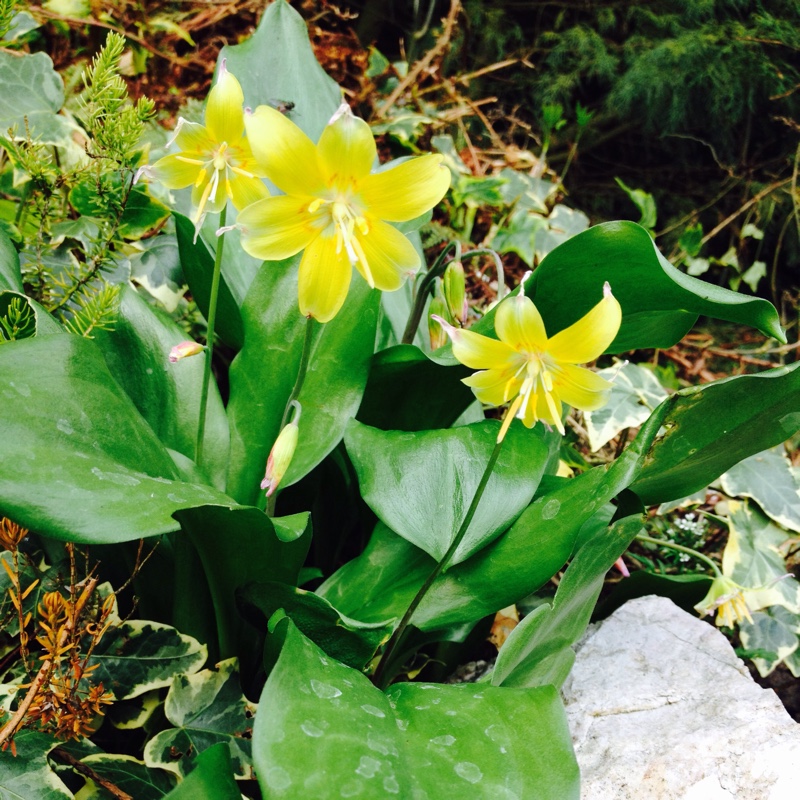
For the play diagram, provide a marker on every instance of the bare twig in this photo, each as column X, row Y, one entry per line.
column 66, row 758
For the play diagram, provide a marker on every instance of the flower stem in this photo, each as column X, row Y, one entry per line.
column 302, row 369
column 681, row 549
column 212, row 320
column 380, row 678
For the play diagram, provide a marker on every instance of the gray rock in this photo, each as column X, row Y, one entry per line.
column 661, row 708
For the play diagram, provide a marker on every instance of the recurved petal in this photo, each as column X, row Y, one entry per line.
column 519, row 324
column 347, row 148
column 324, row 278
column 495, row 387
column 287, row 156
column 389, row 255
column 580, row 387
column 224, row 113
column 545, row 407
column 194, row 139
column 588, row 338
column 244, row 191
column 276, row 228
column 174, row 171
column 480, row 352
column 403, row 192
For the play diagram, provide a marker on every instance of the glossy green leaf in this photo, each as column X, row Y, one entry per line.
column 211, row 778
column 712, row 427
column 198, row 269
column 166, row 395
column 136, row 656
column 205, row 708
column 10, row 277
column 406, row 391
column 129, row 775
column 772, row 635
column 277, row 65
column 767, row 478
column 348, row 739
column 27, row 776
column 421, row 484
column 538, row 650
column 264, row 372
column 77, row 460
column 143, row 215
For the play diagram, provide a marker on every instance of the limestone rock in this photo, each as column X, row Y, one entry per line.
column 661, row 708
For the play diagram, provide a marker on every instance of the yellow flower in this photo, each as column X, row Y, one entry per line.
column 215, row 158
column 728, row 600
column 335, row 208
column 538, row 372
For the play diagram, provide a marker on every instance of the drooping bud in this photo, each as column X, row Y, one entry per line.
column 455, row 291
column 184, row 350
column 438, row 310
column 280, row 457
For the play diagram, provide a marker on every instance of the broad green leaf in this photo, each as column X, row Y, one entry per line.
column 137, row 656
column 10, row 277
column 519, row 235
column 21, row 24
column 635, row 393
column 277, row 65
column 27, row 775
column 712, row 427
column 32, row 89
column 767, row 478
column 211, row 778
column 348, row 641
column 264, row 372
column 205, row 708
column 421, row 484
column 524, row 190
column 349, row 739
column 129, row 775
column 753, row 559
column 544, row 639
column 771, row 633
column 198, row 269
column 77, row 461
column 563, row 223
column 166, row 395
column 406, row 391
column 644, row 202
column 143, row 215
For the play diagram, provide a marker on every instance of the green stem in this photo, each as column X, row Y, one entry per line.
column 212, row 321
column 681, row 549
column 302, row 369
column 380, row 678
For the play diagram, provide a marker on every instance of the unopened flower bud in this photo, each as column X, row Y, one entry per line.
column 436, row 330
column 184, row 350
column 455, row 291
column 280, row 457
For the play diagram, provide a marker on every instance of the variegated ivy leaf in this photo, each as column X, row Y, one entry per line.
column 129, row 775
column 768, row 479
column 136, row 656
column 205, row 708
column 770, row 639
column 26, row 775
column 635, row 392
column 753, row 559
column 131, row 714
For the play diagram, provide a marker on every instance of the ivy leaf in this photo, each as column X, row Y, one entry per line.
column 129, row 775
column 27, row 775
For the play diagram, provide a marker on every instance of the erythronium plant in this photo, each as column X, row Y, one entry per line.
column 365, row 492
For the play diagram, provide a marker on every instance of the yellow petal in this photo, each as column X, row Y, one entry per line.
column 174, row 172
column 224, row 114
column 324, row 278
column 208, row 196
column 287, row 156
column 543, row 406
column 193, row 138
column 389, row 254
column 580, row 387
column 403, row 192
column 241, row 157
column 276, row 228
column 480, row 352
column 519, row 324
column 495, row 387
column 347, row 148
column 245, row 191
column 590, row 335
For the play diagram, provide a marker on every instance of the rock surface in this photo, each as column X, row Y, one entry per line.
column 661, row 708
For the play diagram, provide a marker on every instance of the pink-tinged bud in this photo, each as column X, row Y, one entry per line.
column 438, row 310
column 280, row 457
column 455, row 291
column 184, row 350
column 622, row 567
